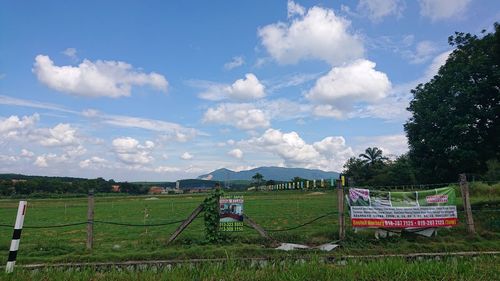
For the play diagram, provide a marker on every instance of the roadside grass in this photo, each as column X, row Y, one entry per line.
column 272, row 210
column 455, row 268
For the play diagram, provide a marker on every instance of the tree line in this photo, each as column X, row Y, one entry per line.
column 13, row 184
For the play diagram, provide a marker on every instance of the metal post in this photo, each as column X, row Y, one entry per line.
column 16, row 237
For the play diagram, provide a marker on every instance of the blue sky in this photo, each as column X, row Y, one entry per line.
column 162, row 90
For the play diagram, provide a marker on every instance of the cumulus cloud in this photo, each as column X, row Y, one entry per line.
column 248, row 88
column 15, row 126
column 93, row 162
column 60, row 135
column 342, row 87
column 242, row 116
column 250, row 116
column 443, row 9
column 393, row 107
column 95, row 79
column 186, row 156
column 131, row 152
column 316, row 34
column 295, row 9
column 236, row 153
column 26, row 153
column 41, row 162
column 234, row 63
column 378, row 9
column 327, row 154
column 48, row 159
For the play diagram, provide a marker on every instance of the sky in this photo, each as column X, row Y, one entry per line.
column 165, row 90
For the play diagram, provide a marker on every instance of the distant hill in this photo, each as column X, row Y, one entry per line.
column 269, row 173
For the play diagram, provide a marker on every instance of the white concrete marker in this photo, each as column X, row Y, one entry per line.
column 16, row 237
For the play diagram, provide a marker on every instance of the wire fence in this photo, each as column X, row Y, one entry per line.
column 140, row 223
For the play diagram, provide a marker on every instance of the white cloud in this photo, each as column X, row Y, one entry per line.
column 248, row 88
column 70, row 53
column 166, row 169
column 60, row 135
column 423, row 52
column 41, row 162
column 378, row 9
column 235, row 62
column 315, row 34
column 131, row 152
column 93, row 162
column 95, row 79
column 345, row 86
column 8, row 158
column 391, row 145
column 169, row 130
column 443, row 9
column 236, row 153
column 291, row 81
column 295, row 9
column 242, row 116
column 327, row 154
column 15, row 126
column 250, row 116
column 6, row 100
column 393, row 107
column 326, row 110
column 186, row 156
column 437, row 62
column 26, row 153
column 45, row 160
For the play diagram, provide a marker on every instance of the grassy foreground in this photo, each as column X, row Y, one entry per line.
column 272, row 210
column 471, row 268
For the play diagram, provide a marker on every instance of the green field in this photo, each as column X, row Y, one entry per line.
column 470, row 268
column 272, row 210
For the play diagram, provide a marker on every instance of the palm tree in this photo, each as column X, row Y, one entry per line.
column 372, row 155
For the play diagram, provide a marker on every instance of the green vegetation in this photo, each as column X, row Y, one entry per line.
column 477, row 268
column 380, row 171
column 455, row 116
column 15, row 185
column 272, row 210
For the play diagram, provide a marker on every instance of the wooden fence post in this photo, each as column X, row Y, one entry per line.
column 464, row 188
column 340, row 203
column 90, row 220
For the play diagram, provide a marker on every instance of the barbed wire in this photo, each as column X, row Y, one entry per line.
column 99, row 222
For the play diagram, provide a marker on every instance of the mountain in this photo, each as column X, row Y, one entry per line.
column 269, row 173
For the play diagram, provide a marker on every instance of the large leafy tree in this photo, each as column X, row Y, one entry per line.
column 454, row 126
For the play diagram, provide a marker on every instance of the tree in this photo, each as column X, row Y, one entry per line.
column 454, row 126
column 372, row 156
column 257, row 179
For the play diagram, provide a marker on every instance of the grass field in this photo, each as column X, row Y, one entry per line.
column 477, row 268
column 272, row 210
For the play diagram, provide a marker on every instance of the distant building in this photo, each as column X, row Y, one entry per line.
column 115, row 188
column 156, row 190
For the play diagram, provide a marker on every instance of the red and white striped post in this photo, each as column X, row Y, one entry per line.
column 16, row 237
